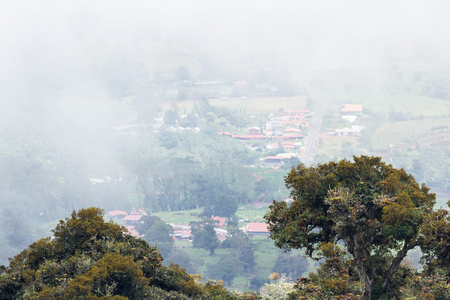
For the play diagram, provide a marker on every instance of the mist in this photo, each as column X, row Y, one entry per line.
column 67, row 68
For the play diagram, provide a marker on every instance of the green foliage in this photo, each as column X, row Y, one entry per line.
column 226, row 269
column 291, row 265
column 435, row 241
column 334, row 279
column 206, row 238
column 243, row 250
column 108, row 264
column 375, row 210
column 225, row 206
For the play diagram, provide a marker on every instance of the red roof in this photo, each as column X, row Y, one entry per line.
column 221, row 221
column 114, row 213
column 257, row 227
column 352, row 108
column 143, row 212
column 133, row 231
column 132, row 218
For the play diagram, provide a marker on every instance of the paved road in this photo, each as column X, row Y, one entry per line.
column 310, row 141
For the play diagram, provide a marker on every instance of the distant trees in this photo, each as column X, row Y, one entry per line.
column 159, row 233
column 205, row 237
column 375, row 210
column 225, row 206
column 226, row 269
column 243, row 250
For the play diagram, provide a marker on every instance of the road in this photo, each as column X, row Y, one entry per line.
column 311, row 139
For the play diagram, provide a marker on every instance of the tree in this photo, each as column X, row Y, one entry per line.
column 435, row 234
column 226, row 268
column 89, row 258
column 146, row 222
column 243, row 249
column 291, row 265
column 206, row 238
column 170, row 117
column 373, row 209
column 159, row 233
column 225, row 206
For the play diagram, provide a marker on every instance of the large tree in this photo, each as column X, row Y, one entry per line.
column 373, row 209
column 205, row 238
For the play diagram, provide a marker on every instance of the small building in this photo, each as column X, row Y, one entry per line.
column 261, row 229
column 352, row 109
column 131, row 219
column 253, row 130
column 117, row 214
column 220, row 221
column 133, row 232
column 353, row 131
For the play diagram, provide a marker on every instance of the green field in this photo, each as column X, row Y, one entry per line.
column 404, row 132
column 269, row 105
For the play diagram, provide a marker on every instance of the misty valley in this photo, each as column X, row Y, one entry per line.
column 148, row 161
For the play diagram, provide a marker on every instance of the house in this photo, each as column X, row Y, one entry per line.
column 253, row 229
column 131, row 220
column 117, row 214
column 221, row 221
column 354, row 131
column 253, row 130
column 182, row 234
column 352, row 109
column 133, row 232
column 138, row 212
column 288, row 145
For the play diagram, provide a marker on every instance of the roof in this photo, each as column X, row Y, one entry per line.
column 132, row 218
column 114, row 213
column 352, row 108
column 133, row 231
column 257, row 227
column 248, row 136
column 221, row 221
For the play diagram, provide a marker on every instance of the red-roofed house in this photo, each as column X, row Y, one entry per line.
column 352, row 109
column 257, row 229
column 220, row 220
column 143, row 212
column 132, row 219
column 253, row 130
column 117, row 214
column 133, row 231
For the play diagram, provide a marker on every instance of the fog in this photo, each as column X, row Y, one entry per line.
column 65, row 65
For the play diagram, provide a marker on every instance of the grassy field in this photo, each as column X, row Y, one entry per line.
column 178, row 217
column 251, row 105
column 404, row 132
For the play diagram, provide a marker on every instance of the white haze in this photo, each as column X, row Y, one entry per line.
column 60, row 60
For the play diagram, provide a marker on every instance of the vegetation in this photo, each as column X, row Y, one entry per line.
column 377, row 212
column 93, row 259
